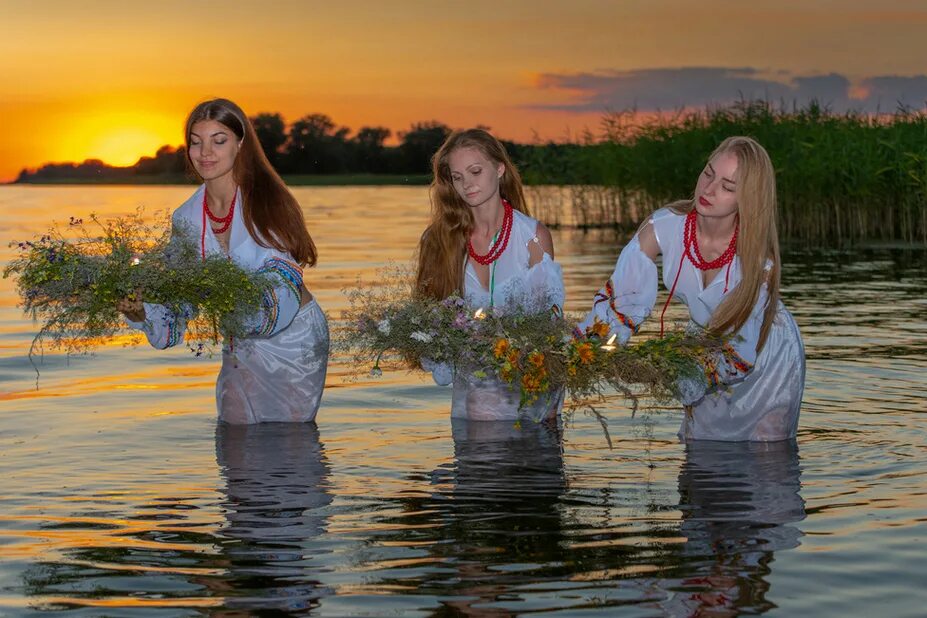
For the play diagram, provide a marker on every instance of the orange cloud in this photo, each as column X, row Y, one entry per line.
column 114, row 81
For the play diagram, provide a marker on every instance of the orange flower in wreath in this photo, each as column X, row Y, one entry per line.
column 531, row 382
column 584, row 353
column 501, row 347
column 599, row 329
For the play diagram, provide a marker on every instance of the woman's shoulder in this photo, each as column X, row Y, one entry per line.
column 523, row 220
column 665, row 214
column 526, row 226
column 665, row 224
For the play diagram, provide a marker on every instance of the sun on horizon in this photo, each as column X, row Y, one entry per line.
column 117, row 137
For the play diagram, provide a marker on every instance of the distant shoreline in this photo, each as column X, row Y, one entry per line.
column 294, row 180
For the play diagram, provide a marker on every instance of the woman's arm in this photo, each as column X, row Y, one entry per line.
column 163, row 327
column 541, row 244
column 733, row 362
column 630, row 293
column 281, row 302
column 545, row 277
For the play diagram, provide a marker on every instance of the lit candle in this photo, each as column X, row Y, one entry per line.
column 479, row 314
column 608, row 347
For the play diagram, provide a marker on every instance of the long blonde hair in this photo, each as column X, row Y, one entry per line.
column 443, row 247
column 757, row 239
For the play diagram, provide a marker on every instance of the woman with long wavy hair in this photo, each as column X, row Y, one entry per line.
column 244, row 210
column 482, row 245
column 721, row 259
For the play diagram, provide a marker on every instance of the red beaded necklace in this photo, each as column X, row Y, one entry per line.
column 690, row 241
column 502, row 239
column 691, row 251
column 224, row 222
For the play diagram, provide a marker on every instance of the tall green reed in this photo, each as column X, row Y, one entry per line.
column 841, row 176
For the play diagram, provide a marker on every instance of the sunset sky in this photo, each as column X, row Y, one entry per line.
column 114, row 80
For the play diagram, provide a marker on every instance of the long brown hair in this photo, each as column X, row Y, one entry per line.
column 271, row 213
column 443, row 247
column 757, row 239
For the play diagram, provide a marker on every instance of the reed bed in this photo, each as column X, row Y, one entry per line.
column 841, row 176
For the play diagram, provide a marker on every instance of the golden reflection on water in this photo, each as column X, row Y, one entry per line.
column 112, row 466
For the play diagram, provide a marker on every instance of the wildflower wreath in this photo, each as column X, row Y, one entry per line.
column 70, row 281
column 537, row 353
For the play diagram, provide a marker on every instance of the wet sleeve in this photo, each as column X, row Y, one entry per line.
column 627, row 298
column 545, row 281
column 441, row 373
column 163, row 327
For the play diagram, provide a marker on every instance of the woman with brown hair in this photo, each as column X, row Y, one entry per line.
column 243, row 210
column 482, row 245
column 721, row 258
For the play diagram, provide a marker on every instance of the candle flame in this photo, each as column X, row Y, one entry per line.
column 611, row 340
column 479, row 314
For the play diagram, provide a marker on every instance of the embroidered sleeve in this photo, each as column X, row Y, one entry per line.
column 627, row 299
column 737, row 356
column 163, row 327
column 281, row 302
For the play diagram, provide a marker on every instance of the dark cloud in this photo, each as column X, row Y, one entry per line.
column 832, row 89
column 887, row 92
column 661, row 88
column 665, row 89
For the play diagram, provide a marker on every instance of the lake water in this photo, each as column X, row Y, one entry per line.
column 120, row 496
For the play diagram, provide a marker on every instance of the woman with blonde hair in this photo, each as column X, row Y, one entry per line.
column 244, row 211
column 721, row 259
column 482, row 245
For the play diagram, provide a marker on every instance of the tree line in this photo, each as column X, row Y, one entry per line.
column 313, row 145
column 840, row 175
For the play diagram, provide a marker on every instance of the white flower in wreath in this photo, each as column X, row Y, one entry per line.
column 420, row 336
column 384, row 327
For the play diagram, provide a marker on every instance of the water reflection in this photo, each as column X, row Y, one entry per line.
column 95, row 521
column 490, row 522
column 506, row 528
column 161, row 553
column 276, row 483
column 739, row 502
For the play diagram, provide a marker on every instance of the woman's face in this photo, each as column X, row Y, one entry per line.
column 716, row 190
column 213, row 148
column 475, row 176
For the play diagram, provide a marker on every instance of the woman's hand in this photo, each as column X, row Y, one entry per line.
column 132, row 307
